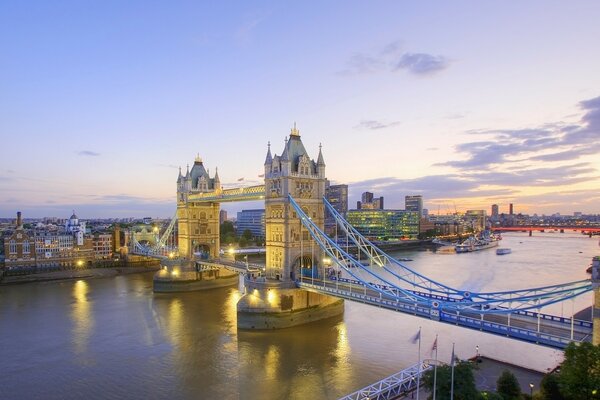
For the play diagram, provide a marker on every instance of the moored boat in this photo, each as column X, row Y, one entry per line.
column 503, row 251
column 485, row 241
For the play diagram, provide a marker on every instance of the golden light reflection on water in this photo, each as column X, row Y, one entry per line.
column 230, row 311
column 175, row 321
column 81, row 316
column 271, row 362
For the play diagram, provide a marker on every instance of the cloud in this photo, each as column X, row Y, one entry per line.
column 550, row 142
column 244, row 33
column 422, row 63
column 390, row 59
column 374, row 125
column 88, row 153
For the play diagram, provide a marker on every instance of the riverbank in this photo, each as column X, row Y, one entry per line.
column 76, row 274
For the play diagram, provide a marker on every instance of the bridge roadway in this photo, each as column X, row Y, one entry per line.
column 552, row 331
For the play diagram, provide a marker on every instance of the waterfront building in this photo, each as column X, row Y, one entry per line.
column 337, row 195
column 425, row 225
column 62, row 250
column 414, row 203
column 385, row 224
column 252, row 220
column 19, row 247
column 76, row 228
column 103, row 246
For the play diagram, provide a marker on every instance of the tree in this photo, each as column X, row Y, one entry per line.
column 464, row 382
column 508, row 386
column 485, row 395
column 579, row 376
column 247, row 234
column 549, row 388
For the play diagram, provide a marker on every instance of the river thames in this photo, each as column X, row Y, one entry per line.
column 113, row 338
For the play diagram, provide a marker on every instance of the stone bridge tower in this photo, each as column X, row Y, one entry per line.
column 274, row 301
column 198, row 222
column 288, row 244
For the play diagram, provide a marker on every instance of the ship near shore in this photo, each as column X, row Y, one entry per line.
column 485, row 240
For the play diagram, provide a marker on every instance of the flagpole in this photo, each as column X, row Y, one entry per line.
column 419, row 367
column 452, row 375
column 435, row 368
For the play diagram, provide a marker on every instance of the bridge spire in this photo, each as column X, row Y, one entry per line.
column 269, row 158
column 294, row 131
column 320, row 159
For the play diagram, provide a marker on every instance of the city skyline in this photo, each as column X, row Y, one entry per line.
column 467, row 106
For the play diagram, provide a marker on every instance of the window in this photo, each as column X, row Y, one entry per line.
column 26, row 247
column 12, row 247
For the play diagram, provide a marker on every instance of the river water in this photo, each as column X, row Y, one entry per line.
column 113, row 338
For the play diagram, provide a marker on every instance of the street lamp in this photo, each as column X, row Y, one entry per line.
column 531, row 389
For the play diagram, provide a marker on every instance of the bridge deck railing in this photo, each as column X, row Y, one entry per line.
column 532, row 336
column 546, row 317
column 393, row 385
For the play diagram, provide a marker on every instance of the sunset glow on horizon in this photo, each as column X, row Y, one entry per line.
column 467, row 104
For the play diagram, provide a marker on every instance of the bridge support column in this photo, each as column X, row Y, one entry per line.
column 271, row 304
column 596, row 306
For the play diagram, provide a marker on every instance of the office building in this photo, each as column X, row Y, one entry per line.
column 414, row 203
column 385, row 224
column 252, row 220
column 337, row 196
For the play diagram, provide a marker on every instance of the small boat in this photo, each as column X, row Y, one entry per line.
column 405, row 259
column 503, row 251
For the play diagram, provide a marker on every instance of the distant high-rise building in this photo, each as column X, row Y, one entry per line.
column 369, row 202
column 222, row 216
column 477, row 219
column 252, row 220
column 495, row 211
column 425, row 213
column 510, row 209
column 337, row 195
column 414, row 203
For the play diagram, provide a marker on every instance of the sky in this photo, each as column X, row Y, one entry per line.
column 467, row 103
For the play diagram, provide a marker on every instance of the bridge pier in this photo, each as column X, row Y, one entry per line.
column 272, row 304
column 530, row 232
column 596, row 306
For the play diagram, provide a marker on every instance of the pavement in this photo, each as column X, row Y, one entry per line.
column 487, row 372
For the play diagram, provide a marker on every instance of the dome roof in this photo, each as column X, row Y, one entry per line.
column 73, row 216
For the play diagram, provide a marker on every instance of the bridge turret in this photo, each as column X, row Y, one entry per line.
column 320, row 163
column 217, row 180
column 198, row 222
column 288, row 244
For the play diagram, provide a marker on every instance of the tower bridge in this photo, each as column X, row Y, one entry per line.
column 302, row 280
